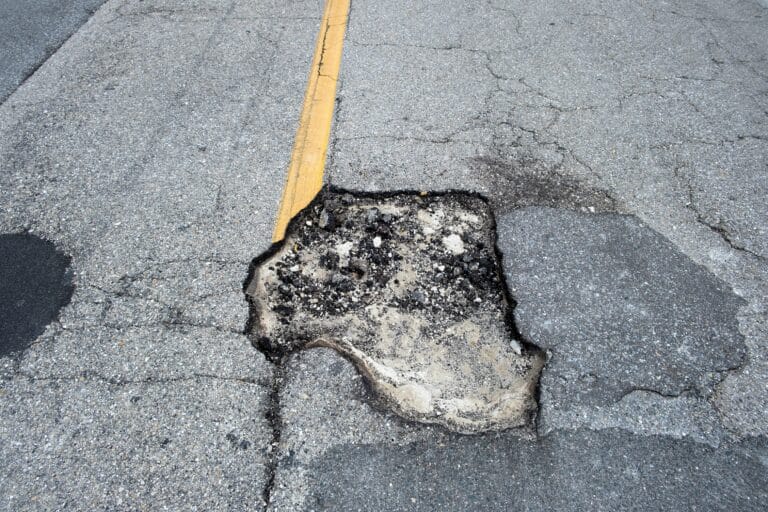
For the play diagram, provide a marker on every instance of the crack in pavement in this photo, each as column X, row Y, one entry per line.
column 85, row 376
column 719, row 228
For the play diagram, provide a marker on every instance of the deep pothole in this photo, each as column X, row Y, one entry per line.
column 409, row 287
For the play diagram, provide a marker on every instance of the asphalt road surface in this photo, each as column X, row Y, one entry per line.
column 30, row 31
column 622, row 145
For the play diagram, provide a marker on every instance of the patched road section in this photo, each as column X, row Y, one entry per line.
column 409, row 287
column 567, row 471
column 35, row 283
column 621, row 310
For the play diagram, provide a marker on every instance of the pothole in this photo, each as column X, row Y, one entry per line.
column 409, row 287
column 35, row 283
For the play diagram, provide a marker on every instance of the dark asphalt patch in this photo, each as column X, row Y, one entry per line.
column 583, row 470
column 526, row 181
column 35, row 283
column 619, row 307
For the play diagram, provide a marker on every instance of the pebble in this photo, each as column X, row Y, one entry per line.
column 327, row 221
column 454, row 244
column 372, row 215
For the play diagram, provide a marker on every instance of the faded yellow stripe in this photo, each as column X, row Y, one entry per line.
column 305, row 172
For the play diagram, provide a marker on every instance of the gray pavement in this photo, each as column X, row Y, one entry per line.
column 628, row 321
column 569, row 471
column 623, row 147
column 151, row 150
column 30, row 32
column 654, row 110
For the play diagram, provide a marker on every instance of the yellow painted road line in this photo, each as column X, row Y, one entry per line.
column 305, row 172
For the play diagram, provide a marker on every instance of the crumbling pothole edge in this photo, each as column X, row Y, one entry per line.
column 274, row 354
column 277, row 353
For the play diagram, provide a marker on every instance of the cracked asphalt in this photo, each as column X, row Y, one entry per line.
column 623, row 147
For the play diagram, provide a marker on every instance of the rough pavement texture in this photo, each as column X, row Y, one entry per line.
column 653, row 109
column 151, row 150
column 409, row 287
column 570, row 471
column 31, row 31
column 89, row 444
column 340, row 452
column 324, row 403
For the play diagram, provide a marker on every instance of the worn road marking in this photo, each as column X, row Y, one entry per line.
column 305, row 172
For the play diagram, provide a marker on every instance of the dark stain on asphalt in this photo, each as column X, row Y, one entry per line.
column 526, row 181
column 35, row 283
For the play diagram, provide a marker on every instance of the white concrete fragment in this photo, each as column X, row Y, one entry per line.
column 454, row 243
